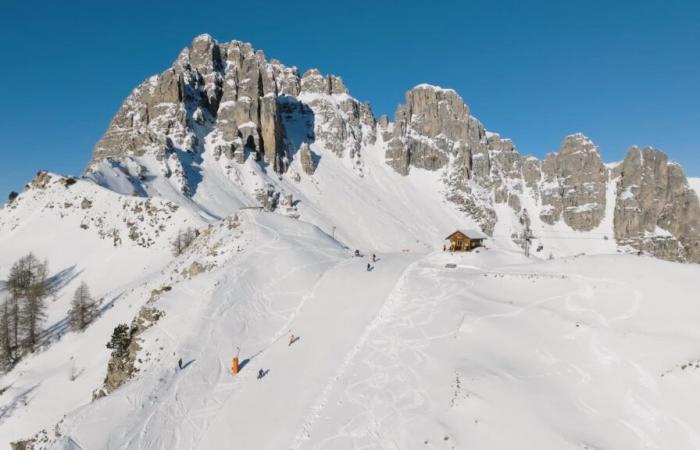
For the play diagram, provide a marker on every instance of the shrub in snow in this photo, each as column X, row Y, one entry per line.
column 183, row 240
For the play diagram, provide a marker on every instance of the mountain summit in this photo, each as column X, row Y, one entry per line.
column 187, row 134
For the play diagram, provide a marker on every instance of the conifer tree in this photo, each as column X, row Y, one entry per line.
column 120, row 340
column 7, row 351
column 32, row 312
column 28, row 286
column 83, row 308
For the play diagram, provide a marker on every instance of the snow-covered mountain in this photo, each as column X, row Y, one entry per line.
column 224, row 126
column 283, row 175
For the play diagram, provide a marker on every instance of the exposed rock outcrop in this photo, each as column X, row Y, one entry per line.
column 230, row 95
column 574, row 184
column 656, row 211
column 306, row 159
column 123, row 364
column 342, row 123
column 433, row 124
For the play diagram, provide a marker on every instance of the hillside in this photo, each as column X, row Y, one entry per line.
column 563, row 354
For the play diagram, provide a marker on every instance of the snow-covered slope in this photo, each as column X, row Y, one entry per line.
column 562, row 354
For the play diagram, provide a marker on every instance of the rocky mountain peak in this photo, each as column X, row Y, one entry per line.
column 313, row 82
column 434, row 111
column 229, row 98
column 656, row 211
column 229, row 102
column 433, row 124
column 575, row 184
column 577, row 142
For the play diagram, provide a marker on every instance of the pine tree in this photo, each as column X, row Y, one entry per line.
column 12, row 310
column 120, row 340
column 17, row 283
column 83, row 308
column 28, row 286
column 7, row 351
column 33, row 309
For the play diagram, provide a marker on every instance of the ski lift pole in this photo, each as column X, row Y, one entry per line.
column 528, row 236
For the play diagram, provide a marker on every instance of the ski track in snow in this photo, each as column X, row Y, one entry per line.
column 316, row 410
column 224, row 385
column 574, row 302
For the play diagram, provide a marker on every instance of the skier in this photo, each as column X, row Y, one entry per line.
column 374, row 257
column 179, row 363
column 261, row 373
column 292, row 339
column 368, row 267
column 357, row 252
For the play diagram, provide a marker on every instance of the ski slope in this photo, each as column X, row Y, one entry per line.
column 563, row 354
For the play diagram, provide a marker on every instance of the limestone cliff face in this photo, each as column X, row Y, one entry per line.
column 433, row 124
column 574, row 187
column 434, row 130
column 342, row 123
column 656, row 211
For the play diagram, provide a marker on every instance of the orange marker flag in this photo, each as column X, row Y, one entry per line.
column 234, row 365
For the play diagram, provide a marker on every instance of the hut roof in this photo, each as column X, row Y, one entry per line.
column 471, row 234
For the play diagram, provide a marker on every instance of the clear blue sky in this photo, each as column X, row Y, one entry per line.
column 622, row 72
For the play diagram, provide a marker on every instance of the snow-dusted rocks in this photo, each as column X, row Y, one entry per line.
column 433, row 124
column 342, row 123
column 306, row 159
column 574, row 184
column 229, row 97
column 656, row 211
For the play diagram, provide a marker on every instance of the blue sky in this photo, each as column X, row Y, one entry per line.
column 622, row 72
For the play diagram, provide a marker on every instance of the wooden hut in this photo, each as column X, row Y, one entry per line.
column 465, row 240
